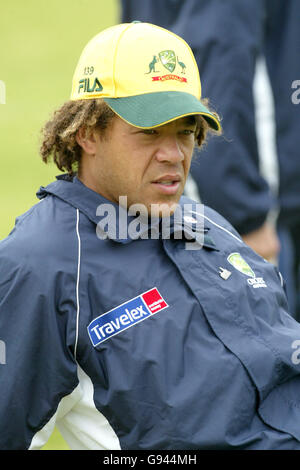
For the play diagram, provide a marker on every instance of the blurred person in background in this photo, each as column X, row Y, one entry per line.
column 232, row 37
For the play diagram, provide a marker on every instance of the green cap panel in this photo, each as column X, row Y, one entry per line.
column 155, row 109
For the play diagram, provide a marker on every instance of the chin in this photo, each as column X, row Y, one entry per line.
column 162, row 209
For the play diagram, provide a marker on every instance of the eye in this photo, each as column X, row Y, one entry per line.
column 149, row 131
column 188, row 131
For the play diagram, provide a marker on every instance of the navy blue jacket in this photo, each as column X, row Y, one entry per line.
column 141, row 343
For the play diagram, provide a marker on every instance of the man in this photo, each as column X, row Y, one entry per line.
column 227, row 38
column 125, row 332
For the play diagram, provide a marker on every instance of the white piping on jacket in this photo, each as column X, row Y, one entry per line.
column 217, row 225
column 77, row 282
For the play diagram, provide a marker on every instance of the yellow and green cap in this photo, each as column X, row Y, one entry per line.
column 146, row 74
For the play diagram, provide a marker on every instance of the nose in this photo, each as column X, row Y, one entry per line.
column 169, row 151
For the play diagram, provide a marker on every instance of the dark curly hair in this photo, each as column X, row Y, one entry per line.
column 59, row 133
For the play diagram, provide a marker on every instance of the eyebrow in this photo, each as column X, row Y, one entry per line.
column 190, row 120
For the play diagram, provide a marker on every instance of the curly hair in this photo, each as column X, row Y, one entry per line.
column 59, row 133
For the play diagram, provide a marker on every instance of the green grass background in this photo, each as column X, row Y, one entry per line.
column 40, row 43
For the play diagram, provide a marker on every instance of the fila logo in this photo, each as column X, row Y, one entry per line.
column 85, row 85
column 125, row 315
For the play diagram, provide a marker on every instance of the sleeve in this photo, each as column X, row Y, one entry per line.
column 37, row 366
column 151, row 11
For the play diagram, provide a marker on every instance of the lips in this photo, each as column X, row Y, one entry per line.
column 167, row 184
column 168, row 179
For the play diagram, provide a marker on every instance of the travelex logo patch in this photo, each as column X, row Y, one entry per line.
column 238, row 262
column 125, row 316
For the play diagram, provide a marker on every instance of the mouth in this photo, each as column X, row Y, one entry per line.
column 168, row 184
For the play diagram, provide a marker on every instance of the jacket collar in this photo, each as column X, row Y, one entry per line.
column 114, row 222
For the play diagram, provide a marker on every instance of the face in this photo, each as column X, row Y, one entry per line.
column 150, row 167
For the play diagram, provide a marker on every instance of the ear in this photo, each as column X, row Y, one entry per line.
column 86, row 141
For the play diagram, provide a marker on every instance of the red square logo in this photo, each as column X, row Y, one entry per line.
column 154, row 300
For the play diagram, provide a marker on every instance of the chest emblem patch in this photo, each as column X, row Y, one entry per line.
column 125, row 316
column 238, row 262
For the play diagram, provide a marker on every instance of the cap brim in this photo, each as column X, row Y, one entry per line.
column 155, row 109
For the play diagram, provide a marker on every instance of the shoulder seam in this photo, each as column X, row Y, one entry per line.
column 219, row 226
